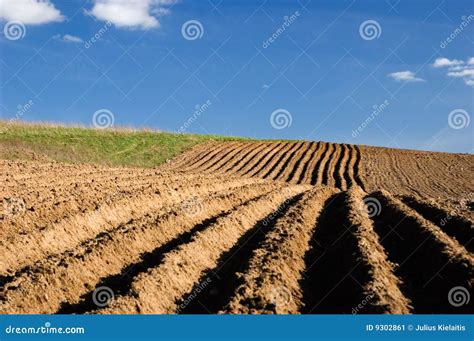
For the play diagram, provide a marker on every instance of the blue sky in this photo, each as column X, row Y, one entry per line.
column 404, row 81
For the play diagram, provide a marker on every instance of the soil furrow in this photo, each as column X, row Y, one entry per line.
column 331, row 171
column 264, row 161
column 291, row 167
column 276, row 165
column 271, row 281
column 121, row 283
column 252, row 161
column 69, row 232
column 67, row 277
column 319, row 176
column 452, row 224
column 335, row 275
column 430, row 263
column 218, row 159
column 215, row 152
column 357, row 177
column 339, row 167
column 289, row 162
column 272, row 163
column 312, row 165
column 301, row 164
column 344, row 174
column 382, row 288
column 191, row 156
column 235, row 154
column 60, row 205
column 158, row 290
column 252, row 150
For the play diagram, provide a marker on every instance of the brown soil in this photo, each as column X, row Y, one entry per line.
column 240, row 227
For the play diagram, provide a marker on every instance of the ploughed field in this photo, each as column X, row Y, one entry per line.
column 241, row 227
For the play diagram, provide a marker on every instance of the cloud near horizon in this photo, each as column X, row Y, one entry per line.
column 131, row 14
column 405, row 76
column 29, row 12
column 457, row 68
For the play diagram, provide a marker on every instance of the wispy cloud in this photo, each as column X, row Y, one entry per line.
column 131, row 14
column 29, row 12
column 67, row 38
column 405, row 76
column 458, row 68
column 442, row 62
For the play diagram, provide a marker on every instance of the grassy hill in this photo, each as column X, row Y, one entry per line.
column 120, row 146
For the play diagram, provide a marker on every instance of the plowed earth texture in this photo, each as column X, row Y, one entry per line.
column 240, row 227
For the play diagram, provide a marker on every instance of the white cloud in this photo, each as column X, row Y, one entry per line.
column 405, row 76
column 131, row 14
column 458, row 69
column 467, row 72
column 442, row 62
column 29, row 12
column 67, row 38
